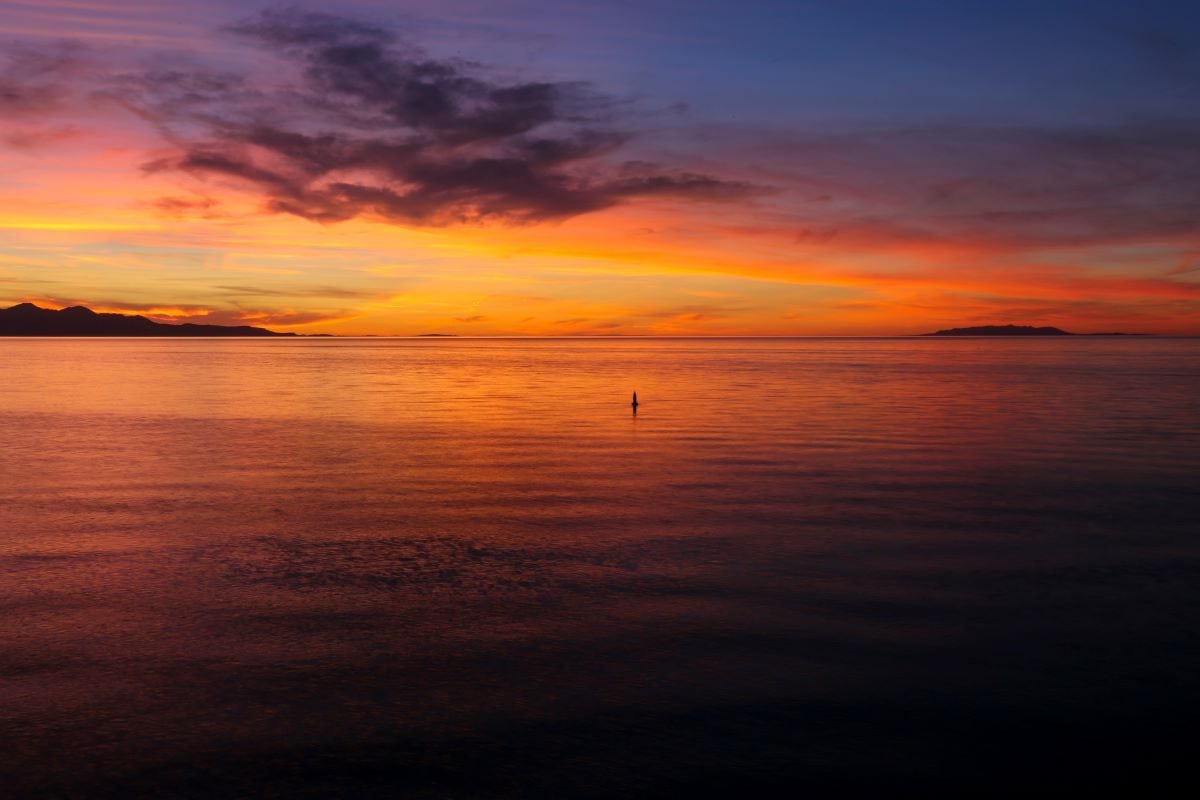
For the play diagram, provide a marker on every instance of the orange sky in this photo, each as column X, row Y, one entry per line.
column 859, row 231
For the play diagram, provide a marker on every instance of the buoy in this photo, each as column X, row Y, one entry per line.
column 635, row 402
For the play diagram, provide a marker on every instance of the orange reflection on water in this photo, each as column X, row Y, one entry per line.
column 433, row 562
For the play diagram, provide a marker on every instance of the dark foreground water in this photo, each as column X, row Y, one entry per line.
column 431, row 568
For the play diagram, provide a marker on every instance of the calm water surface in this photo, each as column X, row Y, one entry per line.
column 463, row 568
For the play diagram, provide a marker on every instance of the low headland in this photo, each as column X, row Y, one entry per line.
column 27, row 319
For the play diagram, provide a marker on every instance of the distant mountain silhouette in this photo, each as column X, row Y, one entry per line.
column 1002, row 330
column 27, row 319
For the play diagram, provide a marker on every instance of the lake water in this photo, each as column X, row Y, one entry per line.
column 463, row 568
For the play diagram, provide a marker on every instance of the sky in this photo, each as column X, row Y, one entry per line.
column 605, row 167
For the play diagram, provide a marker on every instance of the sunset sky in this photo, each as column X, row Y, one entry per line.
column 597, row 167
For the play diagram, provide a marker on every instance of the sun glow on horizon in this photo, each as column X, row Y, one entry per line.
column 225, row 183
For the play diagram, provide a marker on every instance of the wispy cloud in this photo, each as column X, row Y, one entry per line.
column 33, row 80
column 341, row 292
column 992, row 188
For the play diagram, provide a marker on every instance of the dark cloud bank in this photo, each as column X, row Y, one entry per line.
column 372, row 126
column 359, row 122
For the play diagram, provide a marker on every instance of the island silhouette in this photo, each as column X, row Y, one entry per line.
column 27, row 319
column 1019, row 330
column 1002, row 330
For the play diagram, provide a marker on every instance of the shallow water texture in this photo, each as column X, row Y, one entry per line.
column 464, row 568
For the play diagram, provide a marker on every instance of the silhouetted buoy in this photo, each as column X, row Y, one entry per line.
column 635, row 402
